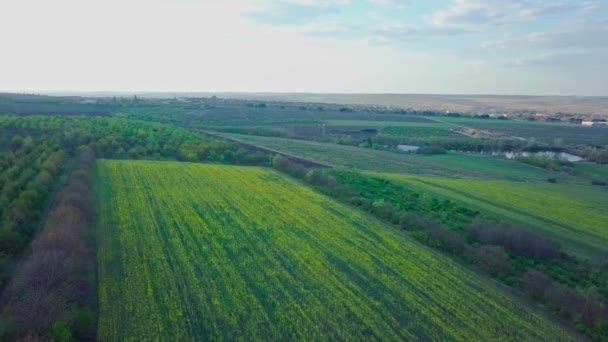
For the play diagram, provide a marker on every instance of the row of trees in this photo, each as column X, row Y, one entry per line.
column 52, row 293
column 571, row 288
column 28, row 174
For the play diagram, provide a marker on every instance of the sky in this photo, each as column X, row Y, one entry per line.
column 526, row 47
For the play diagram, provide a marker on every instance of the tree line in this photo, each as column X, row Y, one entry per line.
column 52, row 294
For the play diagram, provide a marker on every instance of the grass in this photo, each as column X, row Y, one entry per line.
column 209, row 252
column 597, row 170
column 419, row 132
column 404, row 121
column 449, row 165
column 574, row 215
column 416, row 128
column 543, row 131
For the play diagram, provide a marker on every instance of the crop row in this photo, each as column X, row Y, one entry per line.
column 190, row 251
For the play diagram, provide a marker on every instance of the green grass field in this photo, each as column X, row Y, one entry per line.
column 419, row 132
column 574, row 215
column 466, row 165
column 597, row 170
column 416, row 128
column 209, row 252
column 404, row 122
column 539, row 130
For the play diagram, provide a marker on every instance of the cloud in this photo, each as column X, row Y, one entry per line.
column 587, row 35
column 404, row 32
column 392, row 3
column 296, row 12
column 561, row 59
column 481, row 14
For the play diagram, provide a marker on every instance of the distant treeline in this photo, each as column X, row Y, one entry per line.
column 15, row 104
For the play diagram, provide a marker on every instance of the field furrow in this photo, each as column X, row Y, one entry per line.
column 197, row 252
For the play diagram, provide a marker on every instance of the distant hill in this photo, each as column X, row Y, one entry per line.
column 458, row 103
column 588, row 105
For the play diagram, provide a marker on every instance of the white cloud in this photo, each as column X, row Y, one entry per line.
column 480, row 14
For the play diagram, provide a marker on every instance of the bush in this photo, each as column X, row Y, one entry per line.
column 433, row 149
column 83, row 324
column 514, row 239
column 61, row 332
column 551, row 180
column 492, row 259
column 535, row 283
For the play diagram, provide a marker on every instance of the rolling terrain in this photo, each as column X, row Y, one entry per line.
column 463, row 103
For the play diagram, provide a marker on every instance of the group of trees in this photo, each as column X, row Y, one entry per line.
column 123, row 138
column 34, row 151
column 596, row 154
column 29, row 168
column 574, row 289
column 52, row 293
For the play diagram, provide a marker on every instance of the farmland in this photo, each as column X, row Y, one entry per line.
column 542, row 131
column 184, row 254
column 450, row 165
column 415, row 127
column 572, row 215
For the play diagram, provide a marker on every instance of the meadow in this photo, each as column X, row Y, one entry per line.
column 574, row 215
column 465, row 165
column 185, row 253
column 539, row 130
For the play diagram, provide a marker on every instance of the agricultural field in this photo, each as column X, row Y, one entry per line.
column 374, row 120
column 185, row 254
column 574, row 215
column 417, row 127
column 463, row 165
column 541, row 131
column 597, row 170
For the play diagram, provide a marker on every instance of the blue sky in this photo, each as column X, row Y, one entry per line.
column 375, row 46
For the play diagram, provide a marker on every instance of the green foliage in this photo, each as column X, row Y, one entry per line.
column 61, row 332
column 572, row 214
column 550, row 164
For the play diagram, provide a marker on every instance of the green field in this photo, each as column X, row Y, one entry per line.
column 574, row 215
column 416, row 128
column 209, row 252
column 466, row 165
column 543, row 131
column 597, row 170
column 419, row 132
column 404, row 122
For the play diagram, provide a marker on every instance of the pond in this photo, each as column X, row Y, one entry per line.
column 408, row 148
column 549, row 154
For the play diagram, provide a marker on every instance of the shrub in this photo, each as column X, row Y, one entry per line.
column 514, row 239
column 492, row 259
column 433, row 149
column 535, row 283
column 61, row 332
